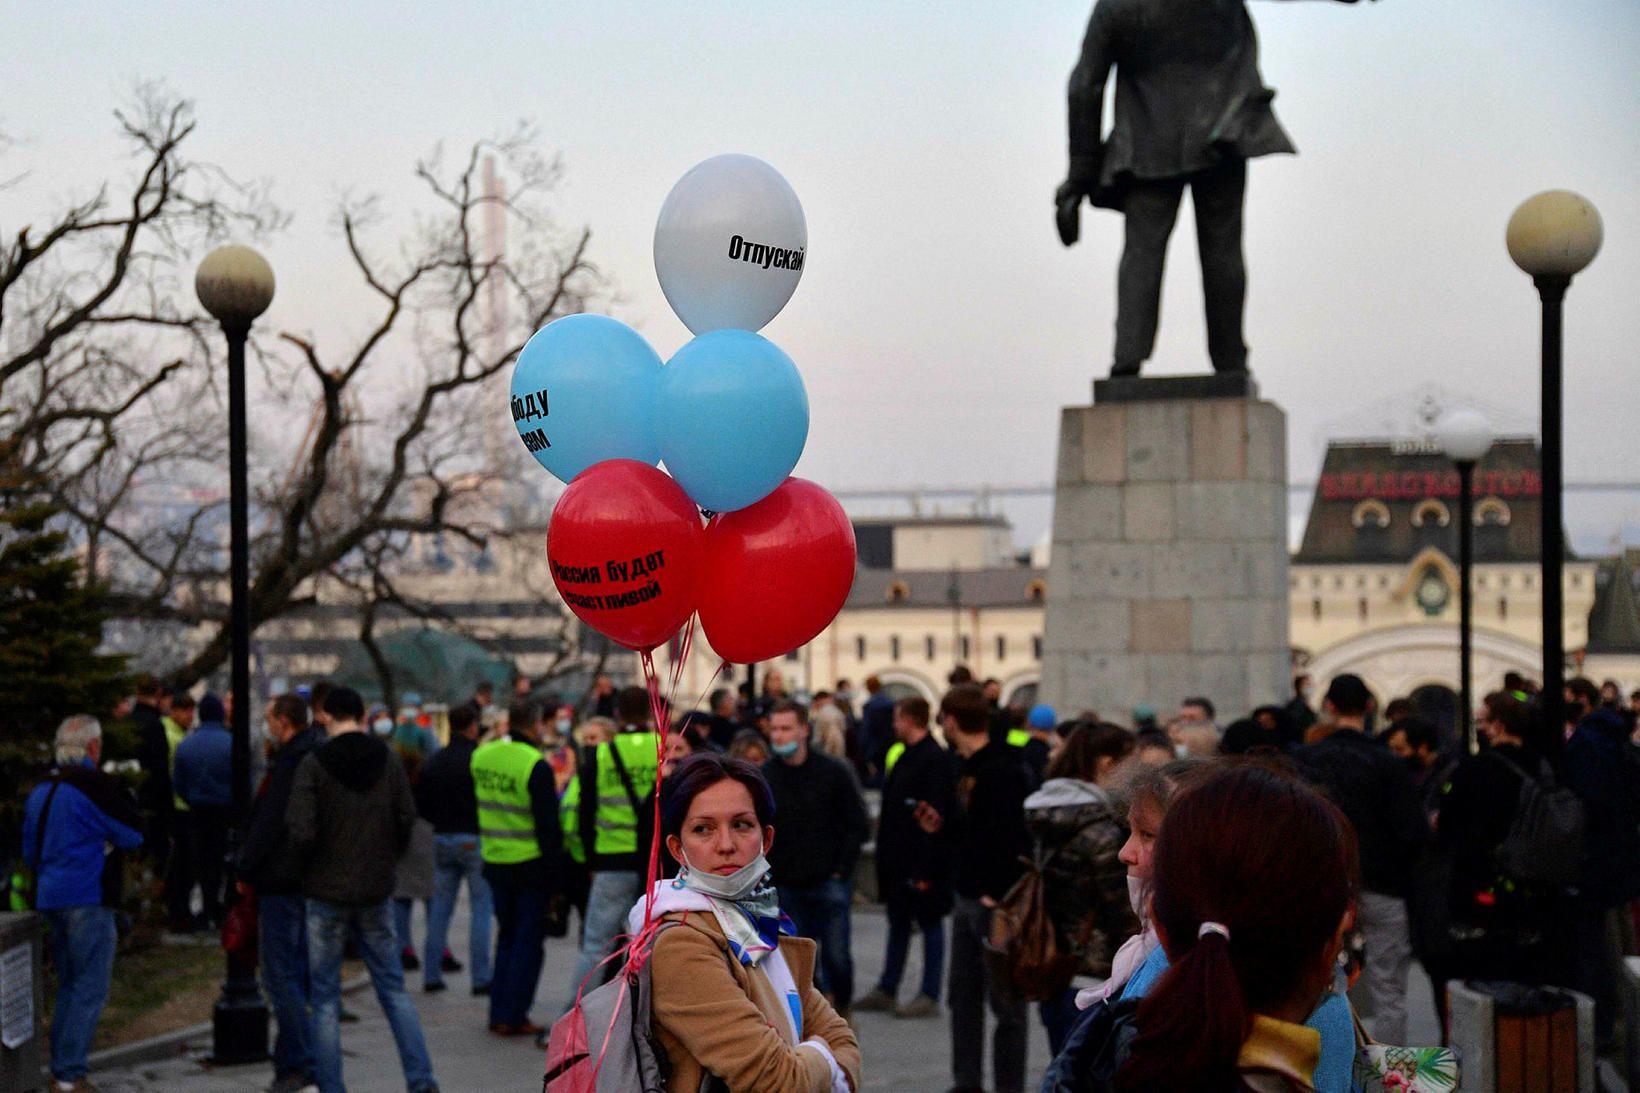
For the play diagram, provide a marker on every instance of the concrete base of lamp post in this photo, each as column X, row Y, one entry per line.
column 1168, row 574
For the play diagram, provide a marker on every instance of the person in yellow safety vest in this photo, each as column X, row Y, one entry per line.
column 520, row 841
column 179, row 871
column 615, row 813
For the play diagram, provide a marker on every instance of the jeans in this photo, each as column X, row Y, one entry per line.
column 327, row 925
column 821, row 912
column 82, row 947
column 456, row 858
column 971, row 988
column 899, row 945
column 520, row 938
column 1383, row 921
column 281, row 925
column 402, row 909
column 609, row 898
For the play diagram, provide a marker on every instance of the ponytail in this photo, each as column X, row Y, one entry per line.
column 1191, row 1025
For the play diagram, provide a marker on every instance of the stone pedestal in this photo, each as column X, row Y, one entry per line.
column 1168, row 574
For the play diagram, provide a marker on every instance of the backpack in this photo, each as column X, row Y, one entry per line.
column 1545, row 840
column 606, row 1043
column 23, row 882
column 1024, row 947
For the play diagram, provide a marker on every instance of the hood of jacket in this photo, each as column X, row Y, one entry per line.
column 1060, row 792
column 356, row 759
column 1064, row 806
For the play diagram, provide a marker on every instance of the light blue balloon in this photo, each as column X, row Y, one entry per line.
column 732, row 418
column 583, row 391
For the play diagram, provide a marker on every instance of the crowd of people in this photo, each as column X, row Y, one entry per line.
column 1174, row 862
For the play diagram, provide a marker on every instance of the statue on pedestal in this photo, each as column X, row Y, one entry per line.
column 1191, row 110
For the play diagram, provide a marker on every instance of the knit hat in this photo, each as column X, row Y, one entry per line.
column 211, row 708
column 1042, row 716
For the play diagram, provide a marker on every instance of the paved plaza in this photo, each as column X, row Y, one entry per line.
column 903, row 1056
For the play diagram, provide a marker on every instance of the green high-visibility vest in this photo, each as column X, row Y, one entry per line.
column 174, row 735
column 895, row 750
column 569, row 818
column 506, row 820
column 1018, row 738
column 614, row 819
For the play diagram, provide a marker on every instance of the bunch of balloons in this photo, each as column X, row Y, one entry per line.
column 766, row 560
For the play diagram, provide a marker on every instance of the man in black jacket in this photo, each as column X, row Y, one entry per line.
column 987, row 830
column 914, row 865
column 349, row 821
column 269, row 865
column 823, row 825
column 445, row 798
column 1374, row 789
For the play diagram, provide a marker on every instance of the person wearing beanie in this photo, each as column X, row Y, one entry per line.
column 1038, row 742
column 203, row 778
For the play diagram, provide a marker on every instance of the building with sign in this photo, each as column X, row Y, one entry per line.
column 1373, row 590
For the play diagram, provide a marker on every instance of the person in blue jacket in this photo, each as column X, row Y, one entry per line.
column 203, row 777
column 69, row 823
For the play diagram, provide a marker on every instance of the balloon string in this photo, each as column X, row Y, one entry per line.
column 660, row 709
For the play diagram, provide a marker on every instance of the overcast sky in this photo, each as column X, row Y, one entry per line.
column 940, row 325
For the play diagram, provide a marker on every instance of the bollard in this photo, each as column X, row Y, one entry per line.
column 22, row 1002
column 1513, row 1038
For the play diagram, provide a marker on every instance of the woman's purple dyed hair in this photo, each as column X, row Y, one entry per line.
column 703, row 770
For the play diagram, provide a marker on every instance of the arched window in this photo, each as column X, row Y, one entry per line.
column 928, row 646
column 859, row 648
column 1491, row 512
column 898, row 592
column 1370, row 513
column 1431, row 511
column 894, row 648
column 1002, row 647
column 1036, row 591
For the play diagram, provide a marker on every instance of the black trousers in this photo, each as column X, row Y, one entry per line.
column 210, row 837
column 1150, row 209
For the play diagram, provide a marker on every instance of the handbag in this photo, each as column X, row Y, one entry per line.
column 239, row 927
column 1383, row 1067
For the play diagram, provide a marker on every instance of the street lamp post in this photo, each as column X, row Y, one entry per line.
column 235, row 284
column 1552, row 236
column 1465, row 436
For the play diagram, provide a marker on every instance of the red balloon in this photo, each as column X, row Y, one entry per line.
column 625, row 546
column 776, row 574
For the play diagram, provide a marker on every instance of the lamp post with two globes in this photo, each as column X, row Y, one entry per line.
column 1465, row 436
column 1553, row 236
column 235, row 284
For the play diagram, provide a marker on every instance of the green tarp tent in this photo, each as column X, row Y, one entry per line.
column 439, row 666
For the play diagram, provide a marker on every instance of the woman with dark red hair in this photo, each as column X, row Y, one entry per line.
column 1254, row 877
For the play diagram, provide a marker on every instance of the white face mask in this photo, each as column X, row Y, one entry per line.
column 1136, row 895
column 736, row 886
column 383, row 725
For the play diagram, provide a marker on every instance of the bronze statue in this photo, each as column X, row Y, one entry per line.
column 1191, row 110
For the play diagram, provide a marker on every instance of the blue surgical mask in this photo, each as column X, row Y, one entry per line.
column 786, row 750
column 382, row 725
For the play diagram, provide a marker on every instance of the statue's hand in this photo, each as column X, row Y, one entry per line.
column 1067, row 205
column 1070, row 191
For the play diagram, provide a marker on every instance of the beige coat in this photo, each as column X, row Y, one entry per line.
column 714, row 1015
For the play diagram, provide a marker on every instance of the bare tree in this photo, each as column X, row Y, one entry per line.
column 101, row 344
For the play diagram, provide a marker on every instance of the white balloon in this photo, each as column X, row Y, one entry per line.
column 730, row 244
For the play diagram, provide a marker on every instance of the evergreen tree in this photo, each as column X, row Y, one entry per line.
column 51, row 620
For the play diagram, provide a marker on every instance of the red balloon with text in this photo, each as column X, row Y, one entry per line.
column 776, row 573
column 625, row 546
